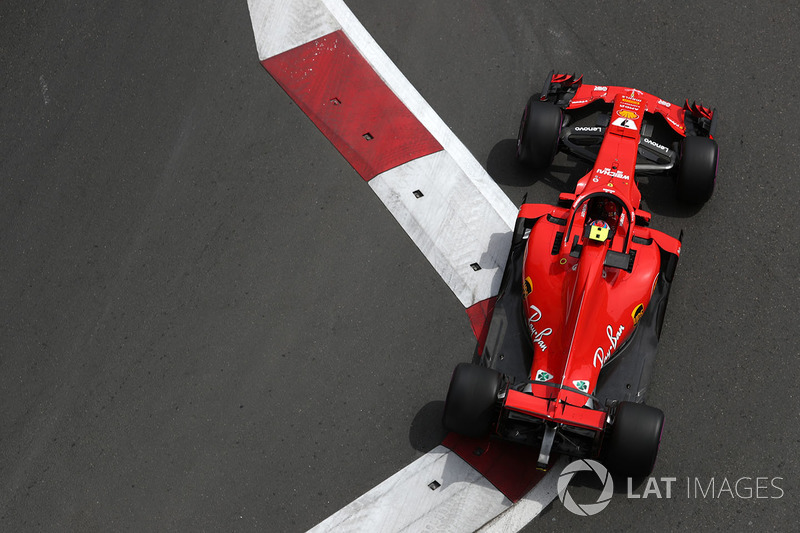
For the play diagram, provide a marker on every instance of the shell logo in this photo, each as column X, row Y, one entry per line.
column 624, row 113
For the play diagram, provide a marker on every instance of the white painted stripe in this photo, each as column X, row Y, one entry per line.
column 451, row 223
column 529, row 506
column 406, row 502
column 280, row 25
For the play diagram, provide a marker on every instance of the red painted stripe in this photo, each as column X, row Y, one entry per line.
column 352, row 106
column 480, row 315
column 510, row 467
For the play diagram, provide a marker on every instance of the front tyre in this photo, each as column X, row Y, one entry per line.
column 698, row 169
column 539, row 133
column 470, row 408
column 632, row 445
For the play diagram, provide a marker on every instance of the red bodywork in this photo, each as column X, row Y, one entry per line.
column 578, row 308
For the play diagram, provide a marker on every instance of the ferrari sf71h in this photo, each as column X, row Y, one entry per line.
column 574, row 333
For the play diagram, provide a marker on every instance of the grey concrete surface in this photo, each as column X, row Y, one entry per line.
column 209, row 322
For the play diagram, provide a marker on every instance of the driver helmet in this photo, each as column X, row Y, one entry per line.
column 599, row 230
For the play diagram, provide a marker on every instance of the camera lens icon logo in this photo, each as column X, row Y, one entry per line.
column 585, row 465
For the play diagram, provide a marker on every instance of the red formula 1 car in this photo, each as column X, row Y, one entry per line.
column 576, row 325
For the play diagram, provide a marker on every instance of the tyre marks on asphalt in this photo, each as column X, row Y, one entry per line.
column 548, row 36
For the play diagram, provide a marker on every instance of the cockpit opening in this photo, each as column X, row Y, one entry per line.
column 602, row 219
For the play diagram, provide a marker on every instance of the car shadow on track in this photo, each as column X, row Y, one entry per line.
column 658, row 191
column 661, row 197
column 502, row 165
column 426, row 431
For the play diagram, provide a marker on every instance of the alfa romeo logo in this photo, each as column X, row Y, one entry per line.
column 585, row 465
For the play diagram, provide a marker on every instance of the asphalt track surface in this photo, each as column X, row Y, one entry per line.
column 209, row 321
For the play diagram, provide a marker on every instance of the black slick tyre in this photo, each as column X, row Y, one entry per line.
column 470, row 408
column 631, row 447
column 698, row 170
column 539, row 133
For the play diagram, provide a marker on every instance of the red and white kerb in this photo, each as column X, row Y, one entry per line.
column 453, row 211
column 327, row 62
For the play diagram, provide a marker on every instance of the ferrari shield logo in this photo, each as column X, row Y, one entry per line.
column 637, row 313
column 527, row 287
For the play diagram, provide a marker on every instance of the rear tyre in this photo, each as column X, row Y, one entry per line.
column 470, row 407
column 698, row 169
column 632, row 445
column 539, row 133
